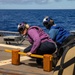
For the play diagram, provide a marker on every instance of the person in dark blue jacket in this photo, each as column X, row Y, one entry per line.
column 61, row 36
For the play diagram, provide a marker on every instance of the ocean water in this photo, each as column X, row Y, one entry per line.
column 9, row 19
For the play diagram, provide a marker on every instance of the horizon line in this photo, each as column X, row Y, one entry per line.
column 37, row 9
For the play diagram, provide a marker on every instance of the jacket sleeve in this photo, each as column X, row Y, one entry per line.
column 53, row 33
column 36, row 39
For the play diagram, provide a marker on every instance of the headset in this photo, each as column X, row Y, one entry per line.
column 48, row 22
column 22, row 27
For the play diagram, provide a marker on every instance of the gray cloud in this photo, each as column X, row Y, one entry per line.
column 71, row 0
column 29, row 1
column 15, row 1
column 58, row 0
column 23, row 1
column 41, row 1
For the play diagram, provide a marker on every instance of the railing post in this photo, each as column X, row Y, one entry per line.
column 47, row 62
column 47, row 59
column 15, row 57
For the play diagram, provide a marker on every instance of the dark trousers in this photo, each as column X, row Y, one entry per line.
column 44, row 48
column 68, row 41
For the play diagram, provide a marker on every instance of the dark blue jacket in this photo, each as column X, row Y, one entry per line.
column 58, row 34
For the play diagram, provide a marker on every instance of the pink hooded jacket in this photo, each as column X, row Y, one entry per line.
column 36, row 36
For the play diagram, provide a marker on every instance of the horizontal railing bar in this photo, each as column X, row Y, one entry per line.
column 22, row 53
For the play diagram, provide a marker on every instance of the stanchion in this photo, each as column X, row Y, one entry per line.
column 47, row 62
column 15, row 57
column 47, row 59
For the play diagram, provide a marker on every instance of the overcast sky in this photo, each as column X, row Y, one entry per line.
column 37, row 4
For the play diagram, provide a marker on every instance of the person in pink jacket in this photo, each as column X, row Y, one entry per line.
column 40, row 41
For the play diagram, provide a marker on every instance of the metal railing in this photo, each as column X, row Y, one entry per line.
column 4, row 33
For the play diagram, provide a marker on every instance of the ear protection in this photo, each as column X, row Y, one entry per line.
column 22, row 27
column 27, row 26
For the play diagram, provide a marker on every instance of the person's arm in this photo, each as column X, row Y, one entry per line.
column 53, row 33
column 36, row 39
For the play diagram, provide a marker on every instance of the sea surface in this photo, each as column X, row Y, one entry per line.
column 9, row 19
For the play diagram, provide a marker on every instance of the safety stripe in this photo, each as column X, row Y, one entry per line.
column 8, row 61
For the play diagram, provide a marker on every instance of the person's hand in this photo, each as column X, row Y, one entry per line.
column 28, row 53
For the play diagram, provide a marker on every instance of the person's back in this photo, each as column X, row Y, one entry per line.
column 40, row 41
column 43, row 36
column 61, row 36
column 56, row 32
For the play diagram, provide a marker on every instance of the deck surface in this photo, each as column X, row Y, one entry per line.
column 28, row 65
